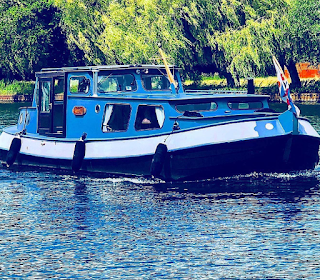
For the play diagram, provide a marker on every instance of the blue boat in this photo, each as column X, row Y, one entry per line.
column 138, row 120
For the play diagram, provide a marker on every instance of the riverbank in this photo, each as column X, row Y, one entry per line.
column 16, row 91
column 15, row 98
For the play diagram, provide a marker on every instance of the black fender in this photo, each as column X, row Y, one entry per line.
column 78, row 155
column 13, row 151
column 158, row 159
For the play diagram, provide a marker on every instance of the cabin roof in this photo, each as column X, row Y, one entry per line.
column 169, row 96
column 105, row 67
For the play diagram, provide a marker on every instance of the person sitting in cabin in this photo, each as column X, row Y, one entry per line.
column 84, row 85
column 146, row 118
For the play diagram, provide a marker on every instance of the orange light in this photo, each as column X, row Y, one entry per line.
column 79, row 110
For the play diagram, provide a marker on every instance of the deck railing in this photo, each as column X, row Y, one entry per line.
column 216, row 91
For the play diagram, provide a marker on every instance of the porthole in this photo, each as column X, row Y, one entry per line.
column 27, row 118
column 269, row 126
column 20, row 118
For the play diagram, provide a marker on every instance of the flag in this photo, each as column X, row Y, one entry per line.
column 284, row 89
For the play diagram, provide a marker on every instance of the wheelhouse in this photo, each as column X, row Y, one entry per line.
column 124, row 101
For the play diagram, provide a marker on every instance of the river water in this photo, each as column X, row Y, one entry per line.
column 256, row 226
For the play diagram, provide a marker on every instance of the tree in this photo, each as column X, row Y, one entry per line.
column 235, row 38
column 296, row 37
column 30, row 38
column 222, row 36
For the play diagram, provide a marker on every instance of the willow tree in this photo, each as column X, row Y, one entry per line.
column 232, row 36
column 296, row 37
column 122, row 31
column 30, row 38
column 225, row 36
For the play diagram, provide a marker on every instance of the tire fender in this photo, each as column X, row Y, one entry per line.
column 158, row 159
column 78, row 155
column 13, row 151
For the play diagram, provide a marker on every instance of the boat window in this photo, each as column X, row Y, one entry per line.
column 197, row 107
column 37, row 93
column 58, row 89
column 149, row 117
column 115, row 83
column 155, row 82
column 116, row 117
column 45, row 96
column 251, row 105
column 79, row 85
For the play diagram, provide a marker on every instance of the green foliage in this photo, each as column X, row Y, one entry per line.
column 225, row 36
column 16, row 87
column 271, row 90
column 30, row 38
column 309, row 86
column 120, row 32
column 234, row 38
column 296, row 33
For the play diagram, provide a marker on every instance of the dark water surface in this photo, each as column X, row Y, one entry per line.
column 62, row 226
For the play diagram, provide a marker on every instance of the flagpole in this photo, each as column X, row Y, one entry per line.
column 170, row 76
column 284, row 89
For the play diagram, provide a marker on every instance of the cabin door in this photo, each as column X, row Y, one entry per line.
column 45, row 106
column 52, row 107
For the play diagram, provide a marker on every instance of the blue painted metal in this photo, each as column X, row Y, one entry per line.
column 91, row 122
column 289, row 122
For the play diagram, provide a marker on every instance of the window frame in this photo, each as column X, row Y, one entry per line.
column 58, row 94
column 152, row 72
column 104, row 115
column 210, row 110
column 149, row 105
column 41, row 99
column 247, row 102
column 112, row 75
column 79, row 92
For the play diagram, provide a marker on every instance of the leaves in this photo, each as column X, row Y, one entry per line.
column 30, row 38
column 226, row 36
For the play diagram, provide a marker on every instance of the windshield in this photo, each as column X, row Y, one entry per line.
column 155, row 80
column 116, row 83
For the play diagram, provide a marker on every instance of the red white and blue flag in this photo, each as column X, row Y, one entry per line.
column 284, row 88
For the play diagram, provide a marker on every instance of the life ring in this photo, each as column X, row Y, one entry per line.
column 13, row 151
column 158, row 160
column 78, row 155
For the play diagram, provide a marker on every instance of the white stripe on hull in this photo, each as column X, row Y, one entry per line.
column 39, row 148
column 146, row 146
column 214, row 135
column 305, row 128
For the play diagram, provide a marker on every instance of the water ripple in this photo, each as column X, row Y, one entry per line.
column 62, row 226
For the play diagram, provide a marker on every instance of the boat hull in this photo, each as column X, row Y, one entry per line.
column 275, row 154
column 282, row 153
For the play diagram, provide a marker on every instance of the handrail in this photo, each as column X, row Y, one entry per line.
column 215, row 91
